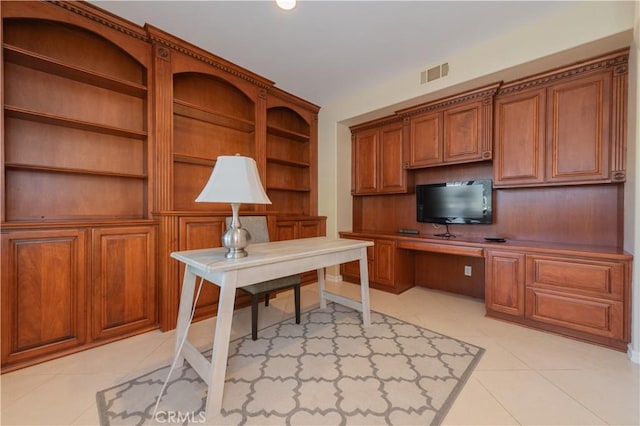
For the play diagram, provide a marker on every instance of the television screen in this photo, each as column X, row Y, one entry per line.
column 455, row 202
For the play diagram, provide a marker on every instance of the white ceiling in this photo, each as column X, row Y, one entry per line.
column 322, row 50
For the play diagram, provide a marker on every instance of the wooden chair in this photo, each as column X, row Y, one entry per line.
column 257, row 227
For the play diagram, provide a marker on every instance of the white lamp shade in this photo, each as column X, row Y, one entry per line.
column 234, row 179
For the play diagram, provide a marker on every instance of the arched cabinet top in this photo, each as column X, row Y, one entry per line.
column 121, row 34
column 285, row 117
column 214, row 94
column 60, row 42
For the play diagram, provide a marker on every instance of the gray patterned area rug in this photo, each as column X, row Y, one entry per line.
column 328, row 370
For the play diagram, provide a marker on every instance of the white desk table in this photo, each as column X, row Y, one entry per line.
column 265, row 261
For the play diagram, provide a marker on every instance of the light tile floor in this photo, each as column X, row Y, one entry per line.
column 525, row 376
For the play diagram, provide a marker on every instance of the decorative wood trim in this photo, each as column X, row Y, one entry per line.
column 618, row 59
column 162, row 53
column 619, row 124
column 487, row 137
column 163, row 99
column 100, row 16
column 280, row 94
column 485, row 93
column 168, row 280
column 160, row 37
column 377, row 123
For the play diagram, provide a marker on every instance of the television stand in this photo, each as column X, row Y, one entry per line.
column 445, row 234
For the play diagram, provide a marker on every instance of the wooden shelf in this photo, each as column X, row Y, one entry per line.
column 18, row 166
column 24, row 114
column 292, row 163
column 49, row 65
column 280, row 131
column 188, row 159
column 196, row 112
column 291, row 189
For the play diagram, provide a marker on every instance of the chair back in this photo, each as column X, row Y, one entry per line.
column 256, row 225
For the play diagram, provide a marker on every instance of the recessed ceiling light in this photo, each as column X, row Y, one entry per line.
column 286, row 4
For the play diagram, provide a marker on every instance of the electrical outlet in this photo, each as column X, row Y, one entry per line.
column 467, row 270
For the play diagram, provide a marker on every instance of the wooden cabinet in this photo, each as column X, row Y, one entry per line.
column 44, row 294
column 67, row 110
column 377, row 158
column 76, row 183
column 519, row 151
column 351, row 270
column 582, row 295
column 387, row 269
column 427, row 129
column 123, row 280
column 454, row 130
column 384, row 262
column 504, row 282
column 563, row 127
column 110, row 131
column 578, row 129
column 198, row 232
column 65, row 288
column 290, row 228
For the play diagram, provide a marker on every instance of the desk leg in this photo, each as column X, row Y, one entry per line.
column 184, row 311
column 221, row 345
column 364, row 288
column 321, row 288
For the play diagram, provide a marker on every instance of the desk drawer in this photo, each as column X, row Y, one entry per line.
column 442, row 248
column 588, row 315
column 576, row 276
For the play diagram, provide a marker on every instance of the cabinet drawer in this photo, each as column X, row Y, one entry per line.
column 595, row 316
column 585, row 277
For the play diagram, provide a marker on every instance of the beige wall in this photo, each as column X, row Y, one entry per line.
column 632, row 188
column 580, row 31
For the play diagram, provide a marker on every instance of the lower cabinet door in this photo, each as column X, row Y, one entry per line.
column 384, row 262
column 124, row 280
column 504, row 282
column 599, row 317
column 43, row 293
column 287, row 230
column 199, row 233
column 290, row 229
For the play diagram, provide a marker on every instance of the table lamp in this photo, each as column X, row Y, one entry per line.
column 234, row 180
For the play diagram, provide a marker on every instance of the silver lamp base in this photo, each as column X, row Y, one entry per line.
column 236, row 238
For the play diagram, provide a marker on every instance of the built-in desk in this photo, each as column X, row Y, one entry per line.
column 575, row 290
column 441, row 247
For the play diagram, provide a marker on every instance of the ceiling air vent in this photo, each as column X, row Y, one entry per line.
column 434, row 73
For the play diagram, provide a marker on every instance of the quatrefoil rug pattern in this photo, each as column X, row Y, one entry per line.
column 328, row 370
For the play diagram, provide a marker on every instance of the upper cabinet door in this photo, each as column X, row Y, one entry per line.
column 519, row 139
column 452, row 130
column 425, row 147
column 564, row 127
column 578, row 129
column 365, row 161
column 463, row 130
column 377, row 154
column 392, row 175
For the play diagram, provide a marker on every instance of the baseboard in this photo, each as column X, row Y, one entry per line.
column 333, row 278
column 634, row 356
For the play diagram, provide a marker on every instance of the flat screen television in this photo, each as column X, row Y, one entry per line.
column 455, row 202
